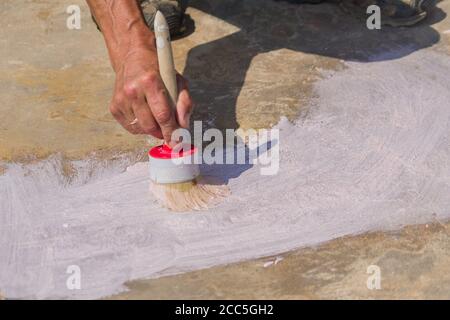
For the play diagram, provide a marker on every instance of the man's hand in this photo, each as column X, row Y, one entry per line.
column 140, row 94
column 140, row 103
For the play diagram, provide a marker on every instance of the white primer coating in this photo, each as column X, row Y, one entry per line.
column 373, row 153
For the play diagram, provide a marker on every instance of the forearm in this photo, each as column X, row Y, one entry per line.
column 123, row 28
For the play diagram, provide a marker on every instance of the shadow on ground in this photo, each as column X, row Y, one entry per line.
column 219, row 68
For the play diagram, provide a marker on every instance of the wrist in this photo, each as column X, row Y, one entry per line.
column 139, row 38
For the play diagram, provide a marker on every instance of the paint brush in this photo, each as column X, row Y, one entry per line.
column 174, row 173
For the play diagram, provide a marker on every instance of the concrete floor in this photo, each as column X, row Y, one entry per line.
column 261, row 59
column 263, row 70
column 413, row 264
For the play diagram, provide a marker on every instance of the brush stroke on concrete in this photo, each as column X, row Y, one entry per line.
column 372, row 154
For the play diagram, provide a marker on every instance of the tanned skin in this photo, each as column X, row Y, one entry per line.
column 139, row 92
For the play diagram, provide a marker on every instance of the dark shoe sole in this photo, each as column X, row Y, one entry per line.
column 172, row 10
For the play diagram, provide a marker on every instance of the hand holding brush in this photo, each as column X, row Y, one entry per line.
column 177, row 184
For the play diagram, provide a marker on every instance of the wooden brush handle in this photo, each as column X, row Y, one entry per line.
column 165, row 58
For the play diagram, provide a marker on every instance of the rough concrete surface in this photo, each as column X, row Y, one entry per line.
column 249, row 62
column 411, row 267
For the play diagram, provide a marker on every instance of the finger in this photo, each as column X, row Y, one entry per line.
column 145, row 118
column 184, row 103
column 156, row 96
column 131, row 126
column 123, row 120
column 134, row 128
column 120, row 108
column 133, row 123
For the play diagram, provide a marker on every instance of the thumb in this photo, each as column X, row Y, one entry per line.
column 184, row 103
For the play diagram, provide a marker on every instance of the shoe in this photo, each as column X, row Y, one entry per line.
column 173, row 11
column 395, row 13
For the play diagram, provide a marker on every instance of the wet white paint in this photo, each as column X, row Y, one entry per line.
column 373, row 153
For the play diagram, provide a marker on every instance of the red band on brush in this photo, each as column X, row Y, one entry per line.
column 165, row 152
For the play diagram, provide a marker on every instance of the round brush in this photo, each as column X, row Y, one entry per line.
column 174, row 174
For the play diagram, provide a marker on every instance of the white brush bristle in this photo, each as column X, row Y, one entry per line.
column 199, row 194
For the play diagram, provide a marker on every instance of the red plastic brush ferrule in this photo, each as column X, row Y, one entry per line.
column 165, row 152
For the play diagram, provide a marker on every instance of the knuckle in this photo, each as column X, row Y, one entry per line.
column 114, row 109
column 150, row 78
column 163, row 116
column 119, row 99
column 130, row 91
